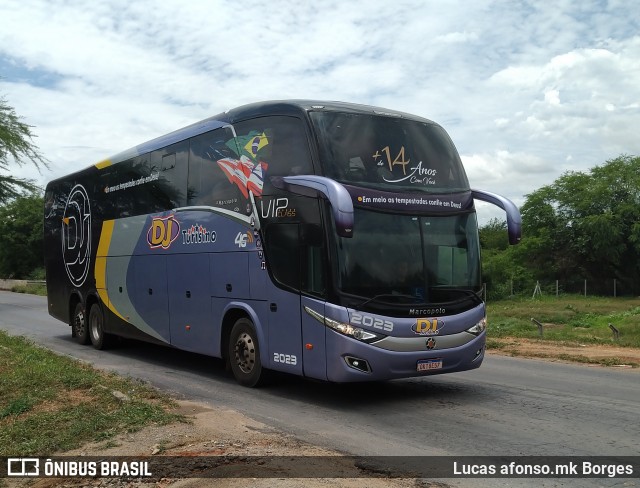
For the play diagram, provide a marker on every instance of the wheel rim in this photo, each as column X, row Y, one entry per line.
column 245, row 353
column 95, row 328
column 79, row 323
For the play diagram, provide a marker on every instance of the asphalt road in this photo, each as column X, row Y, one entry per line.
column 508, row 407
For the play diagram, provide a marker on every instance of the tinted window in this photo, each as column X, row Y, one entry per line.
column 212, row 170
column 135, row 187
column 171, row 164
column 405, row 259
column 224, row 170
column 149, row 183
column 278, row 144
column 295, row 245
column 283, row 253
column 388, row 153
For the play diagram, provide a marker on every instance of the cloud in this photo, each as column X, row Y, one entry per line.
column 526, row 90
column 506, row 172
column 583, row 102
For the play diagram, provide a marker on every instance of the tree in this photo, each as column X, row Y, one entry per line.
column 502, row 263
column 16, row 146
column 585, row 225
column 21, row 223
column 493, row 235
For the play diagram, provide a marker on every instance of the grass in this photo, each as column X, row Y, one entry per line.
column 567, row 318
column 50, row 403
column 31, row 289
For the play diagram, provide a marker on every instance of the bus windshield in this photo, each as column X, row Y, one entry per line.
column 404, row 260
column 388, row 153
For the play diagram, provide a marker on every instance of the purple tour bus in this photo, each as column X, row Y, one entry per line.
column 329, row 240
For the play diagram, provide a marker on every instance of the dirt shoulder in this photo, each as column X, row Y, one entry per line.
column 592, row 354
column 220, row 432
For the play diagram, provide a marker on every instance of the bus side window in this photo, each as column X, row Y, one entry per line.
column 138, row 186
column 126, row 200
column 295, row 253
column 103, row 199
column 208, row 185
column 283, row 253
column 313, row 265
column 278, row 141
column 170, row 166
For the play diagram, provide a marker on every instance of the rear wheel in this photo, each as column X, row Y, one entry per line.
column 244, row 354
column 79, row 325
column 99, row 338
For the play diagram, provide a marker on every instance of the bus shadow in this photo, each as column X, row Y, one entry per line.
column 429, row 391
column 439, row 390
column 165, row 358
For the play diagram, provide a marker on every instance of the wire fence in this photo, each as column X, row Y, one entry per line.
column 521, row 288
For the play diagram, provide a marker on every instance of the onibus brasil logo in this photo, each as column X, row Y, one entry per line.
column 76, row 235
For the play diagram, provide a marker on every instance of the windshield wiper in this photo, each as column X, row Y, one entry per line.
column 387, row 295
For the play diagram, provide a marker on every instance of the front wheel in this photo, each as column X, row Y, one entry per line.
column 99, row 338
column 79, row 325
column 244, row 354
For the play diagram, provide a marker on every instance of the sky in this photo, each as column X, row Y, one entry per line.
column 527, row 90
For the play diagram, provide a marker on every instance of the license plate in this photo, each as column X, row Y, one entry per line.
column 429, row 364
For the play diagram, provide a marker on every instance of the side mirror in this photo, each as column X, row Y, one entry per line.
column 334, row 192
column 514, row 221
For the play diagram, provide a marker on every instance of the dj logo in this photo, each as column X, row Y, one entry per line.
column 163, row 231
column 76, row 235
column 427, row 327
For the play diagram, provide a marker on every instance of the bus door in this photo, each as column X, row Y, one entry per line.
column 285, row 335
column 295, row 258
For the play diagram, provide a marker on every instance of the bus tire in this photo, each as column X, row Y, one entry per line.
column 244, row 354
column 79, row 328
column 99, row 338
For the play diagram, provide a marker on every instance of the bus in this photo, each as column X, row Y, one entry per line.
column 329, row 240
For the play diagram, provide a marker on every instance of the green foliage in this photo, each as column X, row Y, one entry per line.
column 16, row 146
column 501, row 263
column 494, row 235
column 585, row 225
column 38, row 274
column 21, row 223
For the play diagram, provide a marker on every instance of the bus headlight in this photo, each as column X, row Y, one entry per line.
column 350, row 330
column 346, row 329
column 479, row 328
